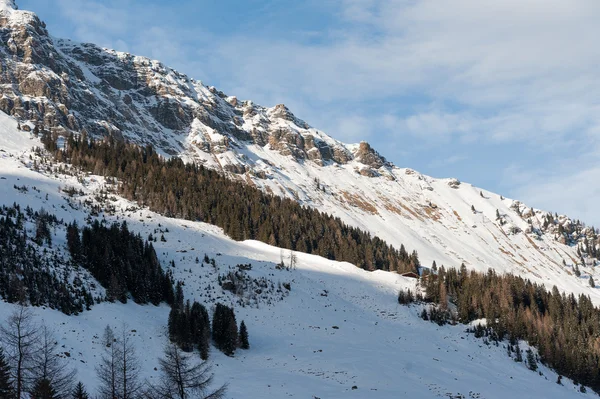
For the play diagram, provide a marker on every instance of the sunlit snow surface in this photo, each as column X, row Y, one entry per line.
column 383, row 349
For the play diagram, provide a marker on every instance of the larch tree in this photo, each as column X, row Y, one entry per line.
column 108, row 369
column 129, row 366
column 20, row 336
column 47, row 365
column 183, row 378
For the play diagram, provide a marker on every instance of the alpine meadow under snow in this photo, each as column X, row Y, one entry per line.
column 318, row 328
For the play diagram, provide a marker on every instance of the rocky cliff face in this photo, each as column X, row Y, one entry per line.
column 63, row 86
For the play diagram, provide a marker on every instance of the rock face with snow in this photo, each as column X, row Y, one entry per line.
column 64, row 87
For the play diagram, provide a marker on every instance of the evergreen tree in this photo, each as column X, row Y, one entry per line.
column 74, row 241
column 80, row 392
column 43, row 389
column 519, row 354
column 200, row 325
column 244, row 344
column 592, row 283
column 531, row 362
column 224, row 329
column 6, row 388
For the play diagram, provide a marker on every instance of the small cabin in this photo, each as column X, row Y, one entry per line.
column 410, row 275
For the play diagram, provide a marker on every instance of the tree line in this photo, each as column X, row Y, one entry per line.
column 123, row 262
column 190, row 191
column 564, row 328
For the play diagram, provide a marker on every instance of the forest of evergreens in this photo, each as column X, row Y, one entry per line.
column 565, row 329
column 28, row 265
column 121, row 261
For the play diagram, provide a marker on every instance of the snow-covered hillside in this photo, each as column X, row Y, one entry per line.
column 337, row 328
column 63, row 86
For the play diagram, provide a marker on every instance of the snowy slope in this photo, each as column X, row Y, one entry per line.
column 338, row 327
column 433, row 216
column 81, row 86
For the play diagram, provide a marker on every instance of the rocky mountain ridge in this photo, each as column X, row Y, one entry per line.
column 66, row 87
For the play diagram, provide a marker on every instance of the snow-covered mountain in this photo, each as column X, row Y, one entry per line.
column 338, row 332
column 64, row 87
column 69, row 87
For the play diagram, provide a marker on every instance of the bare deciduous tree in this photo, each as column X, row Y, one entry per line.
column 129, row 365
column 20, row 336
column 108, row 369
column 293, row 260
column 48, row 365
column 182, row 379
column 119, row 368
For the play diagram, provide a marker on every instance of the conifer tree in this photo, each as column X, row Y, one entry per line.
column 6, row 389
column 43, row 389
column 80, row 392
column 244, row 344
column 224, row 329
column 592, row 283
column 519, row 354
column 531, row 362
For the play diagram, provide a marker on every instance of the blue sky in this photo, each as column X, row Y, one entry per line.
column 503, row 95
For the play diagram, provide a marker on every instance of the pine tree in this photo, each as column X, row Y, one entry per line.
column 224, row 329
column 531, row 362
column 6, row 389
column 519, row 354
column 74, row 241
column 200, row 325
column 80, row 392
column 244, row 344
column 43, row 390
column 592, row 283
